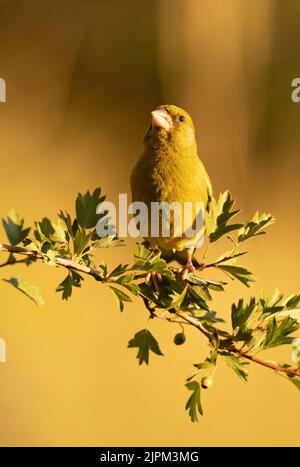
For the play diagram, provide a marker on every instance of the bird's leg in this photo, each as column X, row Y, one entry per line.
column 154, row 276
column 189, row 267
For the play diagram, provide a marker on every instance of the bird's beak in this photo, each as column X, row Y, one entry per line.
column 161, row 119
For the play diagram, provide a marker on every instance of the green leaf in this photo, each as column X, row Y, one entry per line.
column 176, row 304
column 81, row 241
column 211, row 284
column 239, row 273
column 45, row 228
column 193, row 404
column 296, row 351
column 86, row 205
column 292, row 302
column 145, row 260
column 277, row 334
column 73, row 279
column 272, row 299
column 145, row 342
column 206, row 316
column 14, row 228
column 295, row 314
column 256, row 340
column 255, row 227
column 222, row 212
column 108, row 242
column 60, row 232
column 164, row 299
column 202, row 291
column 27, row 288
column 209, row 362
column 50, row 257
column 121, row 297
column 103, row 269
column 65, row 287
column 295, row 381
column 127, row 281
column 67, row 221
column 240, row 313
column 269, row 304
column 142, row 253
column 197, row 296
column 237, row 364
column 120, row 269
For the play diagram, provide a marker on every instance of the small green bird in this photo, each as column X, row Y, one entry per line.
column 169, row 170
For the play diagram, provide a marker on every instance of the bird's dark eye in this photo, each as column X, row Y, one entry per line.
column 181, row 118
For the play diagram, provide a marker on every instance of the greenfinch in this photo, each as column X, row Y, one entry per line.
column 169, row 170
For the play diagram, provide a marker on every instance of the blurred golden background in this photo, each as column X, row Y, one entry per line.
column 82, row 77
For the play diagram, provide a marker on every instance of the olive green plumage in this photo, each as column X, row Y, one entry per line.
column 169, row 168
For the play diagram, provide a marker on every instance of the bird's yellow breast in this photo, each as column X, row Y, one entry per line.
column 173, row 175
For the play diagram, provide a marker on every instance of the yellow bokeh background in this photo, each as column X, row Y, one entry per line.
column 81, row 79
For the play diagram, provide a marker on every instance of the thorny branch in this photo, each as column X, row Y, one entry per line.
column 185, row 317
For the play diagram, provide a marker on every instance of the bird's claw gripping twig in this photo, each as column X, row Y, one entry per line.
column 189, row 267
column 185, row 270
column 154, row 276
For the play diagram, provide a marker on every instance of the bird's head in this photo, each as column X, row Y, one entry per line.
column 170, row 125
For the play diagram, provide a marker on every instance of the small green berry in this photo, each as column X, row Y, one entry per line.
column 179, row 339
column 206, row 382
